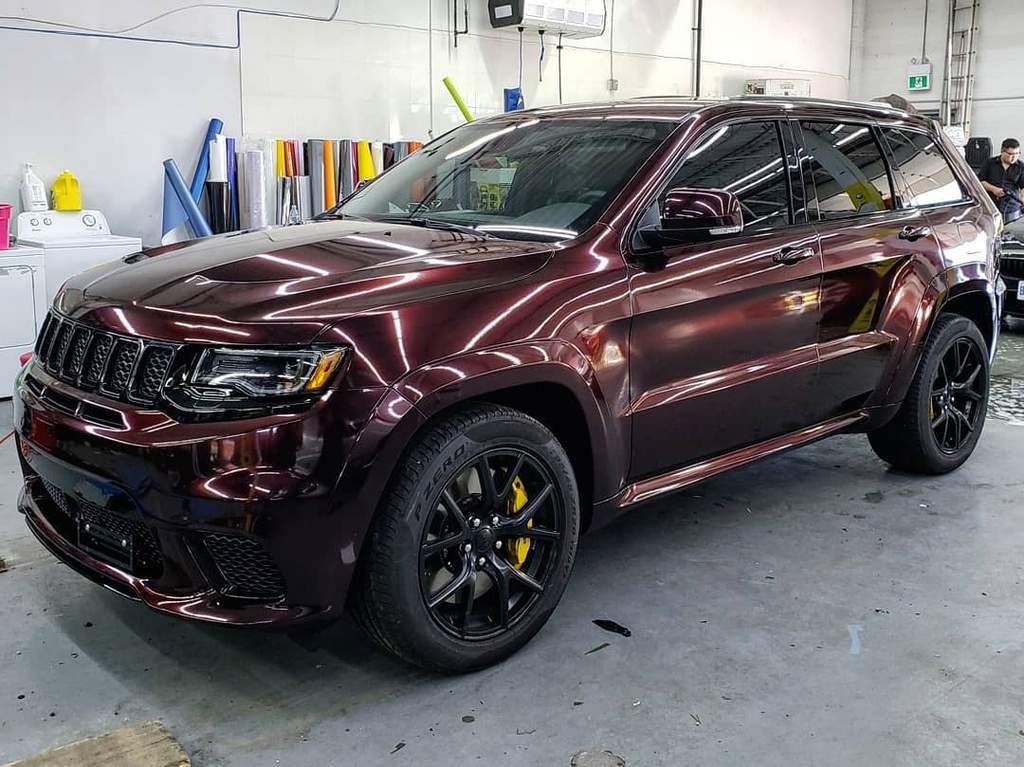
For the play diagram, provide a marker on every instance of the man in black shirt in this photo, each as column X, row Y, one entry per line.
column 1003, row 178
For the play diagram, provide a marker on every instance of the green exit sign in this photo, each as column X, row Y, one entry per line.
column 919, row 82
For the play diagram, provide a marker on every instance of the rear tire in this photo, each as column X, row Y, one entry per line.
column 939, row 423
column 521, row 526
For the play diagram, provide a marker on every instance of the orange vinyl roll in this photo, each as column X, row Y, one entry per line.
column 279, row 158
column 289, row 163
column 330, row 184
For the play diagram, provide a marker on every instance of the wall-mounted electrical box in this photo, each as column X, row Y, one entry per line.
column 572, row 18
column 778, row 87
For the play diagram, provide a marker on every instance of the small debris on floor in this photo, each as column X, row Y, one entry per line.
column 603, row 758
column 577, row 702
column 615, row 628
column 88, row 624
column 597, row 649
column 696, row 719
column 525, row 732
column 875, row 496
column 398, row 747
column 468, row 719
column 636, row 702
column 880, row 611
column 3, row 565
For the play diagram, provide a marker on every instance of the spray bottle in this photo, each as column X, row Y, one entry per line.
column 33, row 191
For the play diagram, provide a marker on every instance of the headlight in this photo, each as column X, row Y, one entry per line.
column 263, row 373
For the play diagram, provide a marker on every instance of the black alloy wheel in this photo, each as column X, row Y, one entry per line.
column 940, row 420
column 957, row 393
column 484, row 559
column 473, row 543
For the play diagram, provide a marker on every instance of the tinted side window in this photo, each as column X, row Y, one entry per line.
column 747, row 160
column 846, row 165
column 929, row 179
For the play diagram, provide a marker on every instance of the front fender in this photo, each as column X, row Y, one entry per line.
column 475, row 375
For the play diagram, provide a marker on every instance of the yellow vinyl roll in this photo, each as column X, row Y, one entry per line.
column 279, row 164
column 330, row 184
column 365, row 155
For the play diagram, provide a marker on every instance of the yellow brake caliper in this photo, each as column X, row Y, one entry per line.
column 518, row 547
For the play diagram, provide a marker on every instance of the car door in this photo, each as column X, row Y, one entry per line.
column 867, row 241
column 723, row 337
column 929, row 184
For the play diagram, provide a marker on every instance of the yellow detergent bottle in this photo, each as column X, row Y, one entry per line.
column 67, row 195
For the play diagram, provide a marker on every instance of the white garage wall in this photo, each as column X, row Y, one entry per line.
column 889, row 34
column 111, row 109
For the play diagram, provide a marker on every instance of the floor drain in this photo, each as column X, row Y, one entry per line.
column 595, row 758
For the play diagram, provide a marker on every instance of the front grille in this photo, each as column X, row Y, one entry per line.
column 127, row 369
column 246, row 567
column 148, row 561
column 1012, row 267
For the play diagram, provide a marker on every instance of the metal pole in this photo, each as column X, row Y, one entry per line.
column 969, row 74
column 698, row 21
column 947, row 69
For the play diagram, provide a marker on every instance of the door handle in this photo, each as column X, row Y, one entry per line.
column 915, row 233
column 792, row 255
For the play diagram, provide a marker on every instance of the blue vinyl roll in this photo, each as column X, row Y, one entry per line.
column 195, row 216
column 203, row 163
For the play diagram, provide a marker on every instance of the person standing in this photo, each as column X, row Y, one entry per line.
column 1003, row 178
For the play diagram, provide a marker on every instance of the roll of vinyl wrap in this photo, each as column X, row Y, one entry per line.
column 377, row 148
column 364, row 158
column 330, row 183
column 203, row 163
column 195, row 216
column 346, row 168
column 279, row 153
column 305, row 197
column 219, row 201
column 218, row 159
column 255, row 190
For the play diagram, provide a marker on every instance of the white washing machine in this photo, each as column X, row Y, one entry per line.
column 72, row 241
column 23, row 308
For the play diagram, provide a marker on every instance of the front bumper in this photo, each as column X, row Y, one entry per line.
column 235, row 522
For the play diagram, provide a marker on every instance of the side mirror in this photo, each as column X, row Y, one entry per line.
column 690, row 215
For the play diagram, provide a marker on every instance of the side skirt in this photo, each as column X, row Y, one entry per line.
column 654, row 487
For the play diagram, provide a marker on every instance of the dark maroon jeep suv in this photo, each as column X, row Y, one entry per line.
column 413, row 406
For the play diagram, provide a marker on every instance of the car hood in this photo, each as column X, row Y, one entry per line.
column 285, row 285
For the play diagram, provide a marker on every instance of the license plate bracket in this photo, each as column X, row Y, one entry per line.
column 106, row 544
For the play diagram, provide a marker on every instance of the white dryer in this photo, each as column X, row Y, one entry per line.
column 73, row 241
column 23, row 306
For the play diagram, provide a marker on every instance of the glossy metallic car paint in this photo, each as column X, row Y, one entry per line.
column 654, row 374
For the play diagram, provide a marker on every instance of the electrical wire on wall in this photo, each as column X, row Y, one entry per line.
column 610, row 20
column 60, row 27
column 520, row 59
column 540, row 63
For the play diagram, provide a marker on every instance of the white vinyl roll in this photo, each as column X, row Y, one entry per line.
column 255, row 190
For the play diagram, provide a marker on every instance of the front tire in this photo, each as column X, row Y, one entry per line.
column 940, row 421
column 474, row 542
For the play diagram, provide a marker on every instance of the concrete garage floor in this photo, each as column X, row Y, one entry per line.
column 815, row 608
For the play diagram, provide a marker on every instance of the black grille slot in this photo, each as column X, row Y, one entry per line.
column 1012, row 267
column 148, row 561
column 96, row 359
column 45, row 336
column 119, row 371
column 156, row 360
column 246, row 567
column 71, row 369
column 61, row 339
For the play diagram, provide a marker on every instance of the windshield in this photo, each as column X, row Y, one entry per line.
column 521, row 179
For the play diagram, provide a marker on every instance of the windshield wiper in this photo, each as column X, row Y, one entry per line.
column 433, row 223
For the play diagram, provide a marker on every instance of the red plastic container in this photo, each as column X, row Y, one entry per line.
column 5, row 226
